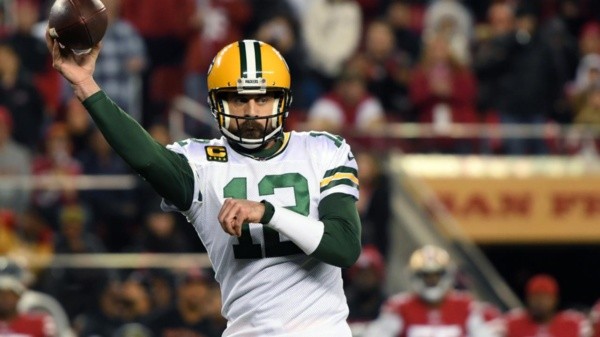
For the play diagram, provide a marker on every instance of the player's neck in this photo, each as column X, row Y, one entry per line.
column 263, row 152
column 542, row 319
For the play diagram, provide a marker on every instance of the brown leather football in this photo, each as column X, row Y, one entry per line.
column 78, row 24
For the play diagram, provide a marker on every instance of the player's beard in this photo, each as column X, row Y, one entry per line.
column 252, row 129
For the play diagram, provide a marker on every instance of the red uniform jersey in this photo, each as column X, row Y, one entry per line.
column 28, row 325
column 458, row 315
column 564, row 324
column 595, row 319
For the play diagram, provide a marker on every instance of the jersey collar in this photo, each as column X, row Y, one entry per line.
column 264, row 154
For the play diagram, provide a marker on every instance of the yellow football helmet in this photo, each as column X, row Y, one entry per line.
column 249, row 67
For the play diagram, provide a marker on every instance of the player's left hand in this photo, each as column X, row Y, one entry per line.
column 236, row 212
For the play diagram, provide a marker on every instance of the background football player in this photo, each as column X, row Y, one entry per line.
column 433, row 308
column 541, row 317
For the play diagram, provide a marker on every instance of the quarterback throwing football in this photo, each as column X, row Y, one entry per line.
column 275, row 210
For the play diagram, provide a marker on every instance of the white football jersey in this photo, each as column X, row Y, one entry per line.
column 269, row 286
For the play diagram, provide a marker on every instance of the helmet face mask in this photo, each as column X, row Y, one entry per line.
column 249, row 67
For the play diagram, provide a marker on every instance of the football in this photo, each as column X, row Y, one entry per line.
column 77, row 24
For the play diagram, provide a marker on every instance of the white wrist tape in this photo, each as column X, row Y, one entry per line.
column 305, row 232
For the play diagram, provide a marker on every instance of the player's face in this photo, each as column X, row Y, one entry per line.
column 541, row 306
column 431, row 279
column 253, row 106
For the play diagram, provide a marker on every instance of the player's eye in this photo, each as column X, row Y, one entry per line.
column 264, row 99
column 238, row 100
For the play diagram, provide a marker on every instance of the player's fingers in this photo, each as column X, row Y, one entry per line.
column 49, row 40
column 225, row 210
column 238, row 230
column 56, row 57
column 96, row 49
column 227, row 216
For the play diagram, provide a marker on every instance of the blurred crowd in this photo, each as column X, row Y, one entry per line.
column 186, row 302
column 356, row 65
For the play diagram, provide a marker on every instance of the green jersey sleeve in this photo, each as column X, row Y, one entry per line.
column 169, row 173
column 340, row 244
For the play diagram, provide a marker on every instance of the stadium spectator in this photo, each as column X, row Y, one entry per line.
column 386, row 69
column 189, row 316
column 589, row 39
column 589, row 113
column 541, row 317
column 36, row 240
column 364, row 291
column 15, row 323
column 15, row 162
column 222, row 21
column 374, row 204
column 432, row 307
column 74, row 287
column 588, row 73
column 31, row 50
column 9, row 241
column 399, row 17
column 104, row 319
column 135, row 300
column 443, row 92
column 520, row 65
column 19, row 94
column 79, row 125
column 283, row 33
column 57, row 162
column 565, row 55
column 452, row 21
column 326, row 24
column 166, row 44
column 160, row 234
column 500, row 25
column 121, row 62
column 348, row 105
column 161, row 289
column 114, row 209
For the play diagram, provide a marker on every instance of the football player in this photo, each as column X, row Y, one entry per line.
column 540, row 319
column 275, row 210
column 433, row 308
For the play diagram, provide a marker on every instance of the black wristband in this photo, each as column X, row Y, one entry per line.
column 269, row 211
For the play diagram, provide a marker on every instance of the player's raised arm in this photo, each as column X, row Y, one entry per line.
column 169, row 173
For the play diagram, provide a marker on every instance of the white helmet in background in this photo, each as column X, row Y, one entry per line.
column 431, row 273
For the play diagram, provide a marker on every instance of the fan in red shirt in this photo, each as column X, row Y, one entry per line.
column 433, row 309
column 540, row 318
column 13, row 323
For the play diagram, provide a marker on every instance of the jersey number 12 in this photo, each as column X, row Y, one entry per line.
column 238, row 188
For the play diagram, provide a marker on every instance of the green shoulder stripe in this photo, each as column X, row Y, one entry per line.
column 340, row 169
column 341, row 175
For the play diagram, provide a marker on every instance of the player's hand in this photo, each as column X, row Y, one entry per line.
column 76, row 69
column 236, row 212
